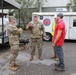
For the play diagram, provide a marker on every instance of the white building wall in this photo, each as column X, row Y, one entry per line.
column 55, row 3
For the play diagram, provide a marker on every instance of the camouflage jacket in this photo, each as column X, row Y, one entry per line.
column 13, row 33
column 37, row 30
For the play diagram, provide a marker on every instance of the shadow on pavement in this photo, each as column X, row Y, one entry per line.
column 4, row 48
column 70, row 41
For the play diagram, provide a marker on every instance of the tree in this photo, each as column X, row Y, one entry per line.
column 71, row 4
column 25, row 10
column 39, row 4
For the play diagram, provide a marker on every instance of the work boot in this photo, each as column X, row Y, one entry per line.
column 57, row 59
column 16, row 64
column 54, row 56
column 40, row 58
column 31, row 58
column 59, row 69
column 13, row 68
column 57, row 65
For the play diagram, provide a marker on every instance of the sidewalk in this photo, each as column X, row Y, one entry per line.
column 35, row 67
column 23, row 60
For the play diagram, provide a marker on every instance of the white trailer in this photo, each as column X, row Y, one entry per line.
column 6, row 22
column 6, row 4
column 47, row 18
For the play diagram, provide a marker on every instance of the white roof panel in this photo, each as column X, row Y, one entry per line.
column 53, row 13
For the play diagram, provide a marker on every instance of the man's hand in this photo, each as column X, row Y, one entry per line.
column 53, row 44
column 44, row 38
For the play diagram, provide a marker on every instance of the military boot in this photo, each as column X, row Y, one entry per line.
column 13, row 68
column 54, row 56
column 40, row 57
column 16, row 64
column 31, row 58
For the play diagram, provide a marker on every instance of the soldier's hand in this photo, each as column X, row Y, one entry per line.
column 30, row 24
column 20, row 29
column 44, row 38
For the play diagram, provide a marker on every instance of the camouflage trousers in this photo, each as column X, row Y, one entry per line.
column 14, row 54
column 36, row 42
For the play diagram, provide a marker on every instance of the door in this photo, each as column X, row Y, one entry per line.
column 73, row 27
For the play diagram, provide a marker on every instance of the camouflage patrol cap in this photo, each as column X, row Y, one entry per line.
column 11, row 17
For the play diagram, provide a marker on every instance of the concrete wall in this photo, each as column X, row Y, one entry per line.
column 51, row 9
column 55, row 3
column 51, row 5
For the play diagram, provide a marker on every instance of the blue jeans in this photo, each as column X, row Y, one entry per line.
column 60, row 54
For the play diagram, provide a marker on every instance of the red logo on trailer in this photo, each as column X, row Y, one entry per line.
column 46, row 22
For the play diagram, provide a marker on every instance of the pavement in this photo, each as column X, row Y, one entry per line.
column 37, row 67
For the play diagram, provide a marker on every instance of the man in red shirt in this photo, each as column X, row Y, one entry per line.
column 58, row 41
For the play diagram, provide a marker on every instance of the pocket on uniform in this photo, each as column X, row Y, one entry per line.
column 14, row 48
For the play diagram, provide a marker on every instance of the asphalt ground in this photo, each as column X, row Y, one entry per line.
column 37, row 67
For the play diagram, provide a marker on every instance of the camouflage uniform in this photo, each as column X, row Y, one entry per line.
column 36, row 37
column 14, row 42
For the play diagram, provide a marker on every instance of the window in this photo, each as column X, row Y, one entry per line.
column 41, row 17
column 74, row 23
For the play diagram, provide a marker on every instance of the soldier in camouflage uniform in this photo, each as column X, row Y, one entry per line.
column 13, row 32
column 37, row 29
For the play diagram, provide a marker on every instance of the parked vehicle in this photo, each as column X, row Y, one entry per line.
column 47, row 18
